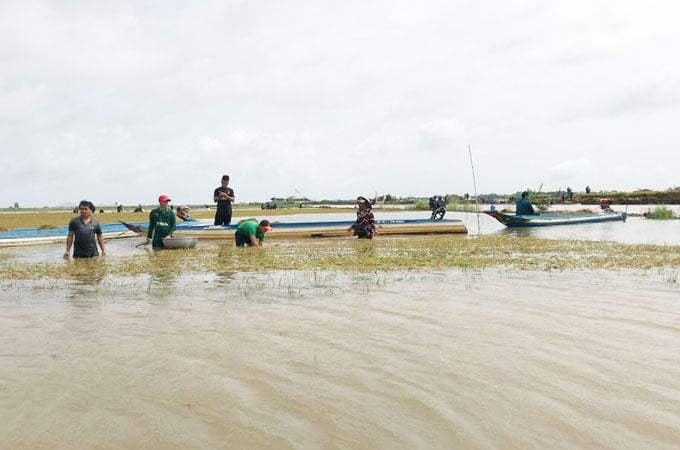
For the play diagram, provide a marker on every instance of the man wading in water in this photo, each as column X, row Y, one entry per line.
column 83, row 230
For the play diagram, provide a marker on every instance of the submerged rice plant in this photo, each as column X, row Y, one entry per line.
column 372, row 257
column 660, row 213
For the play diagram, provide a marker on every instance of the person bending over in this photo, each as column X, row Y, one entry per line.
column 251, row 233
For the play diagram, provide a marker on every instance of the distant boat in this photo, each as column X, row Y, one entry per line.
column 543, row 220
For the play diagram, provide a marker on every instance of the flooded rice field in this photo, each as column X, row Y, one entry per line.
column 452, row 359
column 491, row 358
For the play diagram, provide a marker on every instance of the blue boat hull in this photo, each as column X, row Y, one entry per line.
column 544, row 220
column 324, row 229
column 31, row 236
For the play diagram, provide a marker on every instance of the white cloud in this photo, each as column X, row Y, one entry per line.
column 210, row 145
column 334, row 99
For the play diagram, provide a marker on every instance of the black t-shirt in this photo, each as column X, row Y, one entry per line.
column 84, row 242
column 223, row 203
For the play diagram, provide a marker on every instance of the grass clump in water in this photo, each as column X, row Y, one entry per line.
column 660, row 213
column 378, row 255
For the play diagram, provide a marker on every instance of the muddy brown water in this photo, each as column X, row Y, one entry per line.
column 493, row 359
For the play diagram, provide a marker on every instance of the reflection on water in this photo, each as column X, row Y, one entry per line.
column 399, row 360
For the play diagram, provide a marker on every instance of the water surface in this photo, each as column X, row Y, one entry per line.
column 315, row 360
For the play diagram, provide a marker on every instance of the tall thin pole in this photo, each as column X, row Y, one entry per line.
column 474, row 185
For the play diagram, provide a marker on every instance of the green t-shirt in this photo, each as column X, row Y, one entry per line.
column 161, row 224
column 248, row 228
column 524, row 208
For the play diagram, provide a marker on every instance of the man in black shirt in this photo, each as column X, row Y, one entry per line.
column 82, row 231
column 223, row 196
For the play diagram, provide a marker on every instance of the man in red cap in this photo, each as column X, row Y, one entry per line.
column 161, row 223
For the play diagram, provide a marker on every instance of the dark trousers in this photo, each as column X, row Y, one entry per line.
column 241, row 240
column 223, row 216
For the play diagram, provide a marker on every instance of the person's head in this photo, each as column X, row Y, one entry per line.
column 225, row 180
column 183, row 211
column 163, row 201
column 264, row 226
column 525, row 194
column 86, row 207
column 363, row 203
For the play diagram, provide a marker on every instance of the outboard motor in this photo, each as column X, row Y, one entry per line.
column 604, row 204
column 438, row 206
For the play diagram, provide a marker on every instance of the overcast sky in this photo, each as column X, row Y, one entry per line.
column 121, row 101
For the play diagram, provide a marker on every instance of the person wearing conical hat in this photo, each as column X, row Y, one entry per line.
column 364, row 227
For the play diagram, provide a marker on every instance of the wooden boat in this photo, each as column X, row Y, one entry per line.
column 280, row 230
column 542, row 220
column 323, row 229
column 35, row 236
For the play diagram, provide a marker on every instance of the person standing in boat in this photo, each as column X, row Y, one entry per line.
column 364, row 227
column 84, row 233
column 161, row 223
column 224, row 197
column 251, row 233
column 524, row 206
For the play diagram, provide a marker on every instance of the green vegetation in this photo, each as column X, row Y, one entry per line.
column 670, row 196
column 387, row 254
column 660, row 213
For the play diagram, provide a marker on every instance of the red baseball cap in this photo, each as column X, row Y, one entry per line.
column 164, row 198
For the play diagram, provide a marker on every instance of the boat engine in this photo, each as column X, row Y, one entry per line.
column 438, row 206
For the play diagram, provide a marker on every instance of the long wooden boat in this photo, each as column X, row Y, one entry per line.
column 322, row 229
column 543, row 220
column 280, row 230
column 35, row 236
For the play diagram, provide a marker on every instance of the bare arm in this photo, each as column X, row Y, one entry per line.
column 254, row 242
column 69, row 243
column 100, row 240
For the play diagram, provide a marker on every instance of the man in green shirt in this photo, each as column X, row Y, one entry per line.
column 249, row 232
column 524, row 206
column 161, row 223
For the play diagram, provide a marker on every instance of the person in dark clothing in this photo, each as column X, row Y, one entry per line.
column 161, row 223
column 224, row 197
column 524, row 206
column 84, row 233
column 364, row 227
